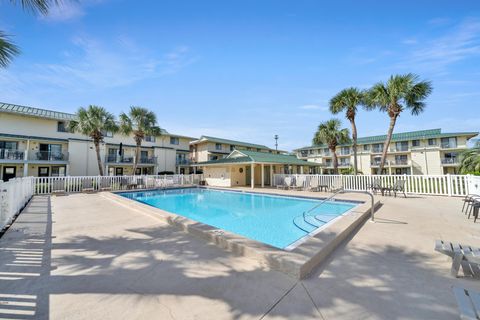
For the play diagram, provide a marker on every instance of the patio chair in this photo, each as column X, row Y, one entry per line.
column 299, row 183
column 469, row 198
column 398, row 186
column 141, row 183
column 106, row 184
column 474, row 207
column 87, row 185
column 376, row 186
column 58, row 187
column 468, row 302
column 287, row 182
column 314, row 185
column 462, row 255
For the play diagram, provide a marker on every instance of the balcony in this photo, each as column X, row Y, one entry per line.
column 7, row 154
column 183, row 162
column 345, row 152
column 147, row 160
column 377, row 150
column 400, row 162
column 448, row 145
column 450, row 161
column 48, row 156
column 344, row 164
column 114, row 158
column 399, row 149
column 377, row 163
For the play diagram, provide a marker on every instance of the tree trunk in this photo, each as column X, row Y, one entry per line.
column 99, row 159
column 387, row 143
column 335, row 160
column 354, row 147
column 137, row 154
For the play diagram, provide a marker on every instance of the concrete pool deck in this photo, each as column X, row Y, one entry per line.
column 84, row 257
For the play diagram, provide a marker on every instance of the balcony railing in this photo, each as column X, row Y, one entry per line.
column 448, row 145
column 148, row 160
column 377, row 150
column 449, row 161
column 114, row 158
column 183, row 162
column 399, row 149
column 48, row 156
column 377, row 163
column 401, row 162
column 344, row 164
column 7, row 154
column 345, row 152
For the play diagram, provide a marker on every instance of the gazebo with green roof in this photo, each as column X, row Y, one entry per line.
column 239, row 168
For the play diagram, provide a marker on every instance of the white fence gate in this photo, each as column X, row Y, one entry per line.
column 444, row 185
column 14, row 195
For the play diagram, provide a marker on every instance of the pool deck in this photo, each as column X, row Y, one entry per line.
column 83, row 256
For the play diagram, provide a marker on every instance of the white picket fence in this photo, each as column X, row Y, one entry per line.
column 74, row 184
column 14, row 195
column 442, row 185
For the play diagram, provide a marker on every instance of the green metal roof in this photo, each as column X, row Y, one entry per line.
column 233, row 142
column 403, row 136
column 35, row 112
column 259, row 157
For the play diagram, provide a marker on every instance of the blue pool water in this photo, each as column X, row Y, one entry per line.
column 265, row 218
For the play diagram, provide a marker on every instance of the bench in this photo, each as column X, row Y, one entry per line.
column 466, row 256
column 468, row 303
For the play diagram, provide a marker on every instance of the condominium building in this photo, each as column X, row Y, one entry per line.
column 211, row 148
column 416, row 152
column 37, row 142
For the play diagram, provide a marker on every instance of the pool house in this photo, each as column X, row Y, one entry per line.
column 251, row 168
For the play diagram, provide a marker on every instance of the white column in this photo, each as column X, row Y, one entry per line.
column 271, row 175
column 263, row 175
column 301, row 170
column 252, row 176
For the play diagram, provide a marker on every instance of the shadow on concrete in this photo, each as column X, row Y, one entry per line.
column 387, row 283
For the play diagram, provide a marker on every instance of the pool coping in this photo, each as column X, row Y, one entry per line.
column 298, row 263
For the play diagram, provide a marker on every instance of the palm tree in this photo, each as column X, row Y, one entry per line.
column 330, row 134
column 348, row 100
column 94, row 122
column 140, row 122
column 470, row 160
column 400, row 92
column 8, row 49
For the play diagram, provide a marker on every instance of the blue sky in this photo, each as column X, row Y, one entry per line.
column 247, row 69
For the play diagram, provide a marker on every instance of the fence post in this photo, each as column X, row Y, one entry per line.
column 449, row 185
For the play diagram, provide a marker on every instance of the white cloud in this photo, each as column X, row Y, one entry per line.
column 65, row 10
column 436, row 55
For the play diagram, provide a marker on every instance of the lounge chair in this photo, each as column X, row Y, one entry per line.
column 468, row 302
column 299, row 183
column 376, row 186
column 58, row 187
column 314, row 185
column 287, row 183
column 106, row 184
column 87, row 185
column 141, row 183
column 462, row 255
column 398, row 186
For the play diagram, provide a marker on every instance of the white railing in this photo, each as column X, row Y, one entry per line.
column 73, row 184
column 14, row 195
column 444, row 185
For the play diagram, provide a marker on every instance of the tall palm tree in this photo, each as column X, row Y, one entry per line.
column 470, row 160
column 399, row 93
column 330, row 134
column 140, row 122
column 348, row 100
column 94, row 122
column 8, row 49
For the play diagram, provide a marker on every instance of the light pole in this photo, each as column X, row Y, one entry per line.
column 276, row 142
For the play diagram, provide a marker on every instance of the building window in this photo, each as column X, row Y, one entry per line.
column 366, row 147
column 218, row 146
column 401, row 146
column 232, row 147
column 8, row 145
column 61, row 127
column 174, row 140
column 345, row 151
column 432, row 142
column 378, row 147
column 58, row 171
column 151, row 139
column 415, row 143
column 213, row 158
column 107, row 134
column 448, row 142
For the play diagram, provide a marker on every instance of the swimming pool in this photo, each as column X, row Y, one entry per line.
column 271, row 219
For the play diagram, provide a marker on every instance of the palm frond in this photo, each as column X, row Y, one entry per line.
column 8, row 50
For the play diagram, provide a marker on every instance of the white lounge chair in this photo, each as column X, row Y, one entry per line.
column 287, row 183
column 299, row 183
column 462, row 255
column 468, row 302
column 314, row 185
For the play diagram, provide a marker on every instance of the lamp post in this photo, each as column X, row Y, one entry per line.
column 276, row 142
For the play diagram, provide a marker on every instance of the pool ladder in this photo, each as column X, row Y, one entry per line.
column 341, row 190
